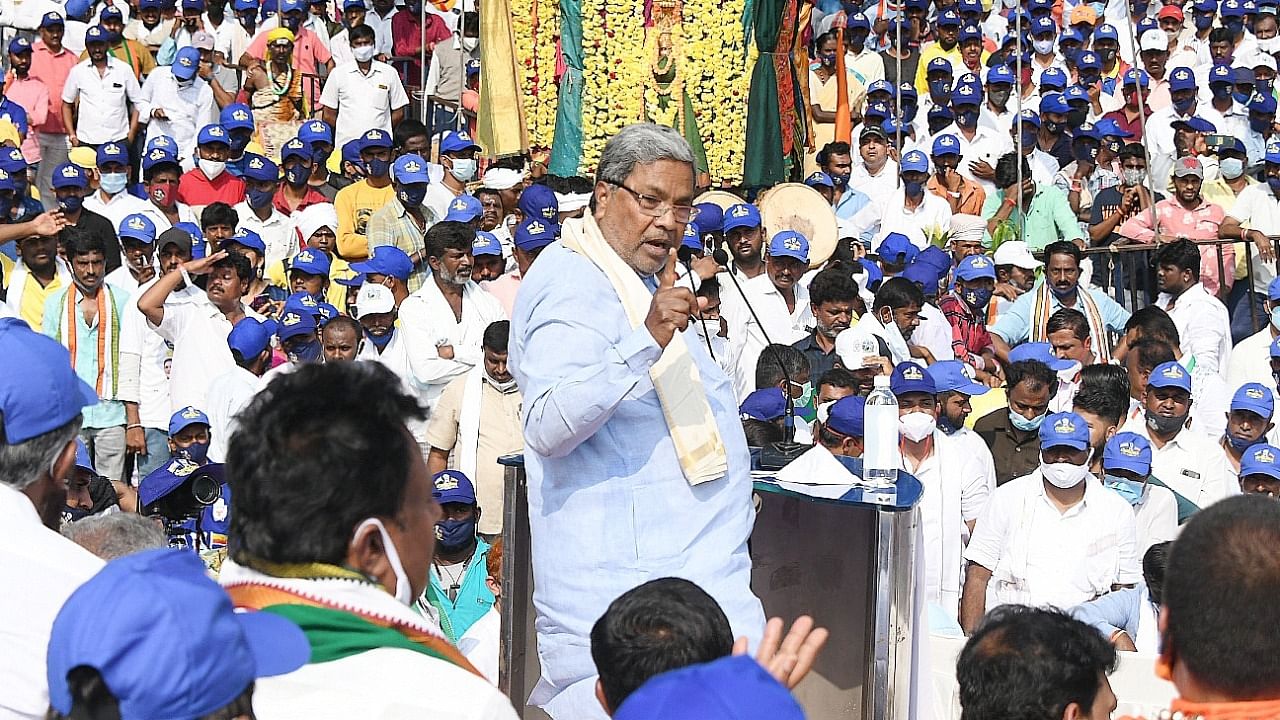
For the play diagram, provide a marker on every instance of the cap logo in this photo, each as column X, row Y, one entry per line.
column 482, row 242
column 966, row 90
column 791, row 243
column 256, row 164
column 157, row 153
column 536, row 228
column 1129, row 449
column 316, row 126
column 913, row 373
column 182, row 467
column 184, row 61
column 1255, row 393
column 1064, row 426
column 190, row 413
column 374, row 135
column 216, row 131
column 464, row 136
column 239, row 115
column 1264, row 455
column 412, row 166
column 978, row 261
column 135, row 223
column 161, row 141
column 308, row 301
column 291, row 319
column 947, row 141
column 70, row 171
column 688, row 232
column 111, row 149
column 1173, row 372
column 304, row 256
column 446, row 481
column 740, row 211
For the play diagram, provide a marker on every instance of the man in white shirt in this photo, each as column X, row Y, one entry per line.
column 979, row 143
column 1188, row 462
column 1126, row 464
column 773, row 307
column 458, row 157
column 1203, row 326
column 1251, row 358
column 40, row 410
column 259, row 214
column 137, row 250
column 1254, row 218
column 230, row 392
column 1053, row 537
column 380, row 21
column 364, row 94
column 98, row 94
column 443, row 322
column 876, row 176
column 177, row 102
column 910, row 209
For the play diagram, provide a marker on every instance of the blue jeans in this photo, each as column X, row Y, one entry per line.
column 157, row 453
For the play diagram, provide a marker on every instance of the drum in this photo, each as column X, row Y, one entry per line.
column 722, row 198
column 798, row 207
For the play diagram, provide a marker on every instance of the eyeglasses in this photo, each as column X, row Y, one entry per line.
column 654, row 207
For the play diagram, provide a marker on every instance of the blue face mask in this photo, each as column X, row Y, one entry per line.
column 70, row 203
column 71, row 514
column 1221, row 91
column 238, row 141
column 945, row 426
column 1259, row 125
column 909, row 113
column 1274, row 184
column 308, row 353
column 1203, row 21
column 1241, row 444
column 455, row 534
column 380, row 342
column 113, row 183
column 258, row 198
column 197, row 452
column 1185, row 105
column 913, row 189
column 1275, row 317
column 411, row 197
column 1262, row 85
column 1023, row 424
column 967, row 118
column 377, row 167
column 1130, row 490
column 1234, row 25
column 1085, row 152
column 977, row 299
column 939, row 90
column 297, row 176
column 1242, row 98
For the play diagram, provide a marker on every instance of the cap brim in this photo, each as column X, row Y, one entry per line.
column 1073, row 444
column 972, row 389
column 1133, row 466
column 278, row 646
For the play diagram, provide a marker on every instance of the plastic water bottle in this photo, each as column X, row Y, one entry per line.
column 881, row 457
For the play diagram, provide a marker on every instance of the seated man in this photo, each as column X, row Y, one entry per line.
column 1053, row 537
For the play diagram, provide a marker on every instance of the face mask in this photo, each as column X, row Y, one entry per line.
column 1203, row 22
column 470, row 44
column 411, row 197
column 211, row 168
column 1064, row 476
column 292, row 24
column 1132, row 176
column 1242, row 98
column 238, row 143
column 1260, row 125
column 364, row 53
column 827, row 60
column 377, row 167
column 257, row 198
column 1165, row 425
column 1184, row 106
column 196, row 452
column 806, row 395
column 1240, row 444
column 1085, row 153
column 1275, row 318
column 403, row 590
column 967, row 118
column 1231, row 167
column 1108, row 54
column 70, row 203
column 70, row 514
column 916, row 426
column 308, row 353
column 297, row 176
column 1221, row 91
column 1076, row 117
column 1061, row 294
column 164, row 196
column 463, row 169
column 320, row 156
column 1029, row 139
column 248, row 21
column 977, row 299
column 185, row 84
column 1130, row 490
column 999, row 96
column 1054, row 127
column 1113, row 147
column 502, row 387
column 939, row 90
column 1274, row 183
column 1262, row 86
column 113, row 183
column 1098, row 8
column 1088, row 80
column 1023, row 424
column 1235, row 26
column 380, row 341
column 841, row 180
column 913, row 189
column 1042, row 47
column 946, row 427
column 455, row 535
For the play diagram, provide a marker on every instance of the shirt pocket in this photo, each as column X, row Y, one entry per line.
column 660, row 535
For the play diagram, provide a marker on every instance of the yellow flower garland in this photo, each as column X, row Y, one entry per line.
column 715, row 74
column 537, row 32
column 615, row 74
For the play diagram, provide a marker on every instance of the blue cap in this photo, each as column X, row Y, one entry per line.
column 20, row 45
column 936, row 258
column 914, row 161
column 1041, row 352
column 857, row 21
column 193, row 5
column 1205, row 5
column 882, row 86
column 767, row 404
column 710, row 217
column 186, row 63
column 789, row 243
column 1170, row 375
column 1182, row 79
column 352, row 281
column 78, row 9
column 1264, row 103
column 939, row 64
column 290, row 6
column 1106, row 32
column 464, row 208
column 1107, row 127
column 1272, row 153
column 847, row 416
column 896, row 247
column 315, row 131
column 953, row 376
column 1244, row 76
column 473, row 67
column 295, row 148
column 354, row 4
column 1053, row 77
column 261, row 168
column 907, row 90
column 975, row 267
column 410, row 169
column 538, row 200
column 741, row 215
column 325, row 313
column 966, row 94
column 95, row 33
column 186, row 417
column 1088, row 59
column 692, row 239
column 137, row 226
column 1232, row 8
column 1256, row 398
column 486, row 243
column 48, row 20
column 731, row 688
column 940, row 112
column 1195, row 124
column 163, row 604
column 111, row 13
column 1054, row 103
column 166, row 478
column 249, row 337
column 386, row 260
column 818, row 179
column 946, row 144
column 1140, row 77
column 923, row 274
column 1273, row 289
column 213, row 134
column 1127, row 451
column 1000, row 75
column 1222, row 74
column 247, row 238
column 948, row 18
column 113, row 152
column 311, row 262
column 1261, row 459
column 875, row 111
column 70, row 175
column 535, row 232
column 191, row 229
column 1075, row 93
column 1040, row 25
column 452, row 486
column 893, row 126
column 459, row 141
column 908, row 377
column 1064, row 429
column 83, row 461
column 1086, row 131
column 1040, row 5
column 12, row 161
column 148, row 4
column 970, row 32
column 375, row 139
column 301, row 302
column 1029, row 117
column 236, row 116
column 39, row 390
column 294, row 323
column 158, row 156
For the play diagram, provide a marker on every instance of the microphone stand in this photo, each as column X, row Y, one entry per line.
column 685, row 256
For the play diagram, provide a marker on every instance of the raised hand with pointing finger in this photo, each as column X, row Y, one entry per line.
column 671, row 307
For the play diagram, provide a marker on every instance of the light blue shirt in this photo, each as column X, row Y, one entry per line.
column 1117, row 610
column 609, row 507
column 1014, row 322
column 106, row 413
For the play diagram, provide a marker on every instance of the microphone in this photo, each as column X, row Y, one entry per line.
column 775, row 455
column 685, row 256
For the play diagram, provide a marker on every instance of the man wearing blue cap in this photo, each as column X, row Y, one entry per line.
column 357, row 202
column 362, row 94
column 946, row 46
column 1248, row 421
column 457, row 595
column 388, row 266
column 209, row 181
column 530, row 237
column 299, row 339
column 744, row 239
column 965, row 308
column 404, row 221
column 962, row 194
column 1260, row 471
column 909, row 209
column 875, row 173
column 1055, row 536
column 1190, row 463
column 980, row 145
column 113, row 200
column 309, row 273
column 138, row 237
column 101, row 96
column 1255, row 217
column 458, row 157
column 1184, row 106
column 835, row 161
column 41, row 406
column 176, row 101
column 258, row 211
column 1126, row 467
column 229, row 393
column 1083, row 178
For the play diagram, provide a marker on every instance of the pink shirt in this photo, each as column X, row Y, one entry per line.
column 52, row 70
column 308, row 52
column 504, row 288
column 33, row 96
column 1199, row 224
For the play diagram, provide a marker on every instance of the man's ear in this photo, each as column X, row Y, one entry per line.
column 1073, row 711
column 600, row 698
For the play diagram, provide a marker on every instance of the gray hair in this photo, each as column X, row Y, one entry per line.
column 115, row 534
column 21, row 465
column 640, row 144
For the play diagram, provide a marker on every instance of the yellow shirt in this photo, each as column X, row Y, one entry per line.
column 33, row 299
column 336, row 295
column 355, row 204
column 934, row 50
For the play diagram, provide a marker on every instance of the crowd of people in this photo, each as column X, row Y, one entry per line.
column 265, row 336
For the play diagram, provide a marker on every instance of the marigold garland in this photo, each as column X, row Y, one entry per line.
column 615, row 72
column 537, row 35
column 715, row 73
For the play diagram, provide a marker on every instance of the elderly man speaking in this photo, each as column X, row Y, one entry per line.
column 637, row 464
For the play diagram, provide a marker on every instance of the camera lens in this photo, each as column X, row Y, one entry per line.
column 205, row 490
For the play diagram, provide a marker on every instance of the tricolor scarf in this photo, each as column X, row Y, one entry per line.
column 108, row 351
column 1097, row 329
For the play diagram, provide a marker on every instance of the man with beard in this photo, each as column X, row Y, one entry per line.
column 744, row 238
column 443, row 321
column 836, row 160
column 27, row 96
column 41, row 400
column 107, row 93
column 477, row 421
column 832, row 294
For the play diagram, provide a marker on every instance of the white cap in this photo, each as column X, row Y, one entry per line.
column 1261, row 59
column 374, row 300
column 1153, row 39
column 854, row 345
column 1015, row 252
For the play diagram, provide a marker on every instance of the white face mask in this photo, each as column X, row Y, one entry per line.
column 363, row 53
column 1070, row 373
column 211, row 168
column 470, row 44
column 403, row 590
column 916, row 426
column 1042, row 47
column 1064, row 476
column 502, row 387
column 463, row 169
